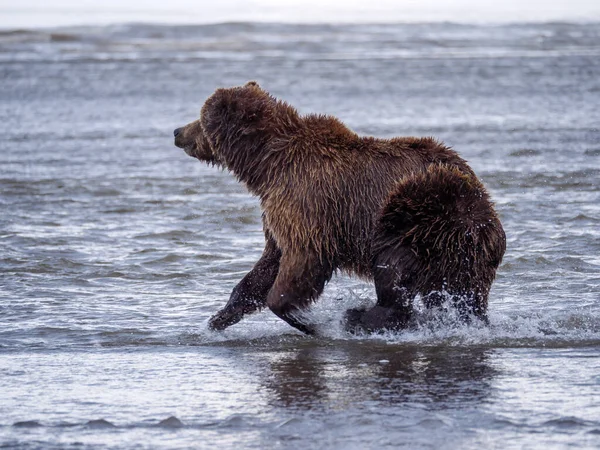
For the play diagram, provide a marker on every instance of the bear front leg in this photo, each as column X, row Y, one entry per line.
column 251, row 293
column 300, row 281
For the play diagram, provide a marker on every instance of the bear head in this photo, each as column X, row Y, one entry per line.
column 235, row 129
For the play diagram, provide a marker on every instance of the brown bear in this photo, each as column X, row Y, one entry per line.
column 408, row 213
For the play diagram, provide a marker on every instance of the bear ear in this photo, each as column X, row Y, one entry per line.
column 250, row 104
column 242, row 108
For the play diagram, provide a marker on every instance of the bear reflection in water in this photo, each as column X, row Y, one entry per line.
column 407, row 213
column 353, row 374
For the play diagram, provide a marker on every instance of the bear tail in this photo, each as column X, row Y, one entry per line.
column 440, row 234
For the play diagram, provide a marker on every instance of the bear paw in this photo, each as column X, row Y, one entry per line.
column 378, row 318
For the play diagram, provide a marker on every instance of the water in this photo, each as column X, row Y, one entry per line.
column 116, row 247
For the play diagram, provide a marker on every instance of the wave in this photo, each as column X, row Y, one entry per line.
column 170, row 422
column 244, row 420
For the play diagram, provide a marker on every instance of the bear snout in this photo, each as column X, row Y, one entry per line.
column 180, row 140
column 191, row 139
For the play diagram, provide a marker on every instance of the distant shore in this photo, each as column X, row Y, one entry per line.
column 36, row 14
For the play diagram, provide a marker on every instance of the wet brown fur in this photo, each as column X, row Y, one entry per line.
column 333, row 200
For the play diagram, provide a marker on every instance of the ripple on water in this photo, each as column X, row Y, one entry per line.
column 525, row 152
column 570, row 423
column 170, row 422
column 27, row 424
column 99, row 424
column 546, row 263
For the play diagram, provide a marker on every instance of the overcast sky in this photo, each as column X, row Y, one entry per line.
column 35, row 13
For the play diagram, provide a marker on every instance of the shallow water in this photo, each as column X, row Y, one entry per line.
column 115, row 247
